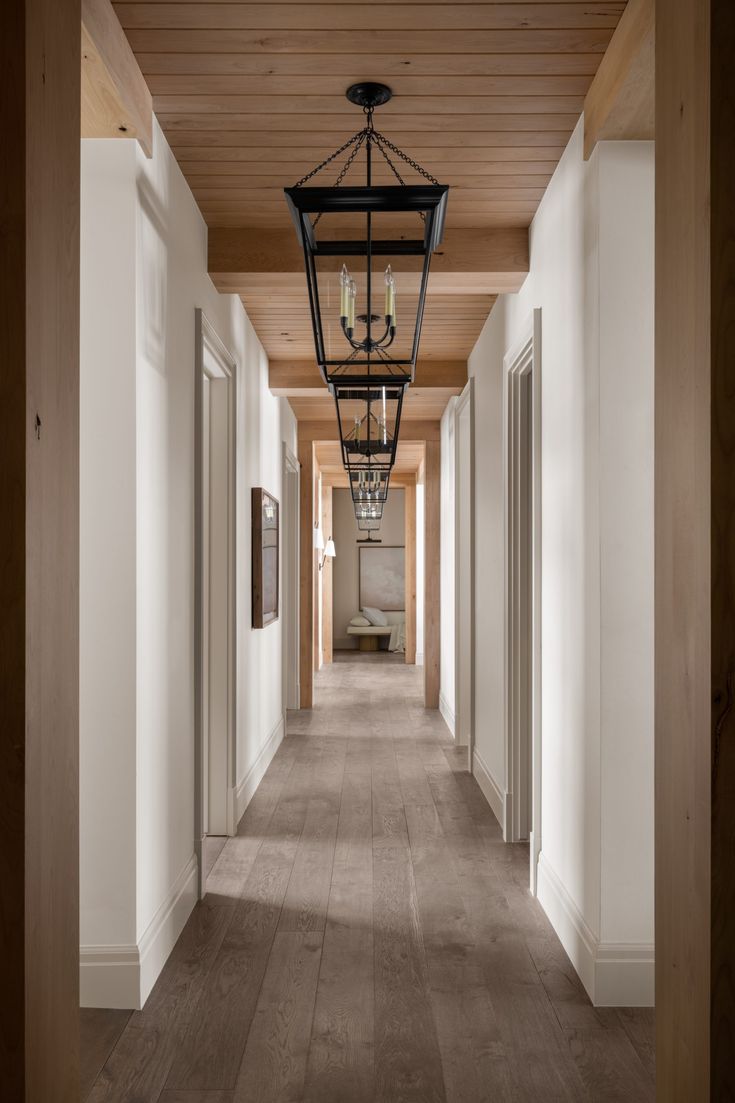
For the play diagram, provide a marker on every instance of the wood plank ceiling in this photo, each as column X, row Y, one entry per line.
column 251, row 97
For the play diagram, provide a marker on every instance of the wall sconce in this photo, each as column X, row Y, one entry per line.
column 318, row 538
column 329, row 552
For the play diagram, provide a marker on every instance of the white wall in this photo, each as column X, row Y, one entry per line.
column 346, row 566
column 144, row 272
column 591, row 273
column 447, row 613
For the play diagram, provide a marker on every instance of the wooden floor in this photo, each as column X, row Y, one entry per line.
column 368, row 936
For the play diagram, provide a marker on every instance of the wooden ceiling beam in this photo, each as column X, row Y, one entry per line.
column 116, row 102
column 487, row 262
column 327, row 430
column 620, row 103
column 302, row 378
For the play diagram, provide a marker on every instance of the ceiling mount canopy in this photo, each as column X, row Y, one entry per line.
column 357, row 239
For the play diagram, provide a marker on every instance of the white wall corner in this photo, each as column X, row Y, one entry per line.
column 493, row 794
column 420, row 661
column 614, row 974
column 444, row 707
column 251, row 781
column 123, row 976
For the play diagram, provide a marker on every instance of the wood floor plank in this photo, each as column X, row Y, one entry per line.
column 274, row 1065
column 99, row 1031
column 305, row 903
column 210, row 1053
column 407, row 1059
column 137, row 1069
column 474, row 1059
column 341, row 1054
column 609, row 1066
column 195, row 1096
column 639, row 1024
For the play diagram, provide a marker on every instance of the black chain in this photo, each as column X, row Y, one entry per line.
column 393, row 168
column 367, row 134
column 404, row 157
column 346, row 167
column 361, row 134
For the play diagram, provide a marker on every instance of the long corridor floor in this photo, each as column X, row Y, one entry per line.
column 368, row 936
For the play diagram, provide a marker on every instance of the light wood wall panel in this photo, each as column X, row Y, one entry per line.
column 327, row 576
column 432, row 579
column 409, row 499
column 306, row 572
column 695, row 561
column 39, row 581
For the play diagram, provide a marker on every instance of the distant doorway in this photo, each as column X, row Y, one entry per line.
column 214, row 553
column 522, row 438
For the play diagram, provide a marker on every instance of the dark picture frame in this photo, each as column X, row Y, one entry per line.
column 266, row 518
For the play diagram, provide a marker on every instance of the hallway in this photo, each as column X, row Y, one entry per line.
column 368, row 936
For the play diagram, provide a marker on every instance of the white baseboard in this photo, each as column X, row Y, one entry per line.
column 447, row 712
column 419, row 658
column 492, row 792
column 123, row 976
column 254, row 776
column 614, row 974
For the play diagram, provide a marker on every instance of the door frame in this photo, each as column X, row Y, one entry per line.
column 291, row 490
column 523, row 360
column 464, row 406
column 213, row 359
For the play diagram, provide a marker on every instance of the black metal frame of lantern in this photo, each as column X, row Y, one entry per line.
column 368, row 511
column 368, row 437
column 369, row 524
column 367, row 359
column 368, row 487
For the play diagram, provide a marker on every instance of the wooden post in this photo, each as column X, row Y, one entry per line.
column 695, row 560
column 327, row 577
column 431, row 572
column 39, row 549
column 409, row 499
column 306, row 572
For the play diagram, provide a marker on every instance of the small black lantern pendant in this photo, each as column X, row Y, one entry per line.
column 368, row 511
column 369, row 487
column 357, row 338
column 368, row 418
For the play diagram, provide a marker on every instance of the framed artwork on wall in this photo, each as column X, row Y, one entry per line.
column 383, row 578
column 265, row 538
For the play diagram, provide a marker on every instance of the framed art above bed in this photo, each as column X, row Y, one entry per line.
column 383, row 577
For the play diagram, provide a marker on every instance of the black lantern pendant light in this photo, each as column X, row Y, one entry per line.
column 368, row 511
column 368, row 420
column 369, row 487
column 369, row 524
column 353, row 288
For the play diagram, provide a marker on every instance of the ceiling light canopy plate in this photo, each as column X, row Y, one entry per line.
column 369, row 94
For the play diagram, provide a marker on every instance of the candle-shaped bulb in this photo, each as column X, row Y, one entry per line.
column 344, row 286
column 390, row 294
column 357, row 430
column 351, row 297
